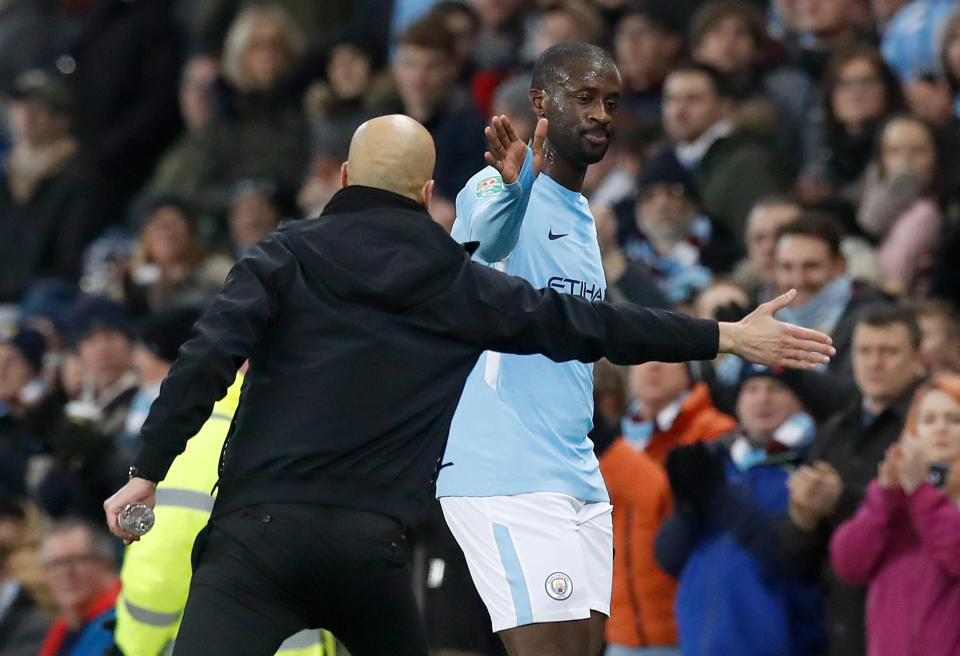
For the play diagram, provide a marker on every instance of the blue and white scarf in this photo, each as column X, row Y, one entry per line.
column 824, row 310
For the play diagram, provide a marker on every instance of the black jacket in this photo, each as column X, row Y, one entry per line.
column 361, row 327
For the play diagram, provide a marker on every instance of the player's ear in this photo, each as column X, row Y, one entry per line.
column 538, row 102
column 426, row 193
column 343, row 175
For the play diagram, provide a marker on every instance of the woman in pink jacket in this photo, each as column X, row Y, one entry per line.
column 904, row 542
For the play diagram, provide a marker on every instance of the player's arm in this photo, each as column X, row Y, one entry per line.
column 491, row 206
column 505, row 313
column 224, row 337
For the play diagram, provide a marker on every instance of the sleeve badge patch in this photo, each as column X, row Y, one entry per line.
column 489, row 186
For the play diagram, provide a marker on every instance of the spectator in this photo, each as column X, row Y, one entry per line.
column 567, row 20
column 159, row 339
column 679, row 247
column 647, row 43
column 84, row 459
column 79, row 561
column 627, row 280
column 500, row 37
column 48, row 203
column 22, row 623
column 732, row 169
column 736, row 593
column 899, row 207
column 425, row 72
column 123, row 63
column 348, row 97
column 21, row 363
column 668, row 409
column 169, row 266
column 259, row 127
column 860, row 93
column 730, row 35
column 461, row 20
column 904, row 541
column 887, row 367
column 809, row 259
column 758, row 271
column 832, row 26
column 182, row 166
column 940, row 326
column 259, row 207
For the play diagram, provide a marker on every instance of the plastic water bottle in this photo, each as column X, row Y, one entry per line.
column 136, row 518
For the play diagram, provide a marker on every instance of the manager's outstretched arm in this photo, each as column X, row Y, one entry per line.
column 505, row 313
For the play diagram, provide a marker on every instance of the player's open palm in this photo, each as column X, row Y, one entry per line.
column 765, row 340
column 507, row 152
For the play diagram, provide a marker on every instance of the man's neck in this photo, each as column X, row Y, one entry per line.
column 561, row 170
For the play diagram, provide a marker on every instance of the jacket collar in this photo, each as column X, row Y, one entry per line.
column 357, row 198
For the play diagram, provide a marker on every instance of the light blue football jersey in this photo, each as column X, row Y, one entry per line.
column 522, row 422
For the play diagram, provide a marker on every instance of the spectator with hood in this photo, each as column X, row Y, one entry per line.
column 904, row 541
column 737, row 594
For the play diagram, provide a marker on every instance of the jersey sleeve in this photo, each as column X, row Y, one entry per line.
column 491, row 212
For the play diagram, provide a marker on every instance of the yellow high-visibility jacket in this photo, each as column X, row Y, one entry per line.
column 156, row 569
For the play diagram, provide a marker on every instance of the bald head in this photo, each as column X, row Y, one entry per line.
column 394, row 153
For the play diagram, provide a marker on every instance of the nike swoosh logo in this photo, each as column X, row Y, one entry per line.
column 552, row 236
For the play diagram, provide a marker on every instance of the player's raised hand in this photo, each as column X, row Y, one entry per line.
column 506, row 152
column 761, row 338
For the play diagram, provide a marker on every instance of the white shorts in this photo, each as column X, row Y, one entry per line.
column 539, row 557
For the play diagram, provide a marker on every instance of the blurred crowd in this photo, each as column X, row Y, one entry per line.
column 759, row 146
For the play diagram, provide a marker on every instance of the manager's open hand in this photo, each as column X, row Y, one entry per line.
column 137, row 490
column 507, row 152
column 761, row 338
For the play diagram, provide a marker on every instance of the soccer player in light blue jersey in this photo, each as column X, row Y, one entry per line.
column 522, row 491
column 521, row 488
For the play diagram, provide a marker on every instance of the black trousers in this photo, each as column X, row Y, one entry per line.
column 266, row 572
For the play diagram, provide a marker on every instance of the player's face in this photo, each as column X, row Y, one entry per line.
column 580, row 112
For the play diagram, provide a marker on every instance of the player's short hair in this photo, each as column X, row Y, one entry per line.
column 550, row 69
column 817, row 225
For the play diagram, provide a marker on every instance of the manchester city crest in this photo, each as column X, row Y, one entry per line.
column 559, row 586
